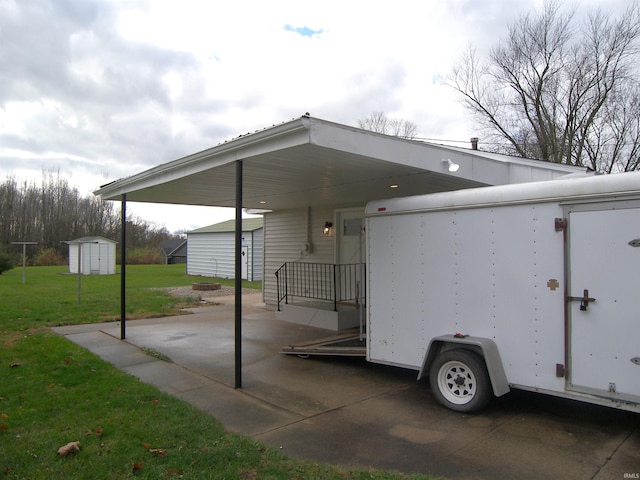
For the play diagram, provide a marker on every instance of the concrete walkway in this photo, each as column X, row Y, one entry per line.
column 349, row 412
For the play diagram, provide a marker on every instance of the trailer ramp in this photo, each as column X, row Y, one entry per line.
column 349, row 344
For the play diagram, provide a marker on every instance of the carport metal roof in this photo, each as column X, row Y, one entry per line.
column 313, row 162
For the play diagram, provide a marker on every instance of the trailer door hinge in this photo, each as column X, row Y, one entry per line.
column 560, row 224
column 560, row 370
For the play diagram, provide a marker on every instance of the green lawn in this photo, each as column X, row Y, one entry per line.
column 53, row 392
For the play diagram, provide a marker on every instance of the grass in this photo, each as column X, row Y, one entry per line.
column 53, row 392
column 50, row 296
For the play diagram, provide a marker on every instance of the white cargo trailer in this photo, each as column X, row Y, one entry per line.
column 530, row 286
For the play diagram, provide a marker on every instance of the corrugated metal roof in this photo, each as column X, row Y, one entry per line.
column 248, row 225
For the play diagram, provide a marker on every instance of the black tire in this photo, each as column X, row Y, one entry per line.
column 459, row 380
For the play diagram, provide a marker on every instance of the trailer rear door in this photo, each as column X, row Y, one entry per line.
column 604, row 300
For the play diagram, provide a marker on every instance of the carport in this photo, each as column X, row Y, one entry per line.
column 315, row 163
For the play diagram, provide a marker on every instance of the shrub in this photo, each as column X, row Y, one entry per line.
column 144, row 256
column 48, row 257
column 7, row 262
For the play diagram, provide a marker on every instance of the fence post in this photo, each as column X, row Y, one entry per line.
column 278, row 288
column 286, row 283
column 335, row 289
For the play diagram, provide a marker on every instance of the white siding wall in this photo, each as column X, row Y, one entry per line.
column 285, row 237
column 213, row 254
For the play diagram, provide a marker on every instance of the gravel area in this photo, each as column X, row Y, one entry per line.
column 206, row 296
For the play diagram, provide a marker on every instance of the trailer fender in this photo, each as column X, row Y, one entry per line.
column 485, row 347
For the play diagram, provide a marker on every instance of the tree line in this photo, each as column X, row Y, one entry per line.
column 52, row 212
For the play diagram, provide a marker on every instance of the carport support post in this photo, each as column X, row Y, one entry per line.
column 79, row 268
column 238, row 276
column 123, row 269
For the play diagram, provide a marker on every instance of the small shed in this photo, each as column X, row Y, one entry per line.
column 211, row 250
column 92, row 256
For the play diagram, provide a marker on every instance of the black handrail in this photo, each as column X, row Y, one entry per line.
column 321, row 281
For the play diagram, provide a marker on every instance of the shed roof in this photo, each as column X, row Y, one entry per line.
column 248, row 225
column 95, row 239
column 173, row 245
column 312, row 162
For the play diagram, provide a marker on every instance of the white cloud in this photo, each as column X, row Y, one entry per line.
column 103, row 89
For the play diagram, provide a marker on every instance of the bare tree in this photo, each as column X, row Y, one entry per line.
column 380, row 123
column 560, row 92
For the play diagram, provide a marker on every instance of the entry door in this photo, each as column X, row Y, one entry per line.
column 244, row 262
column 604, row 256
column 350, row 253
column 350, row 223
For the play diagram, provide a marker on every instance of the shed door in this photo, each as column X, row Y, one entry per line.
column 103, row 259
column 94, row 258
column 604, row 256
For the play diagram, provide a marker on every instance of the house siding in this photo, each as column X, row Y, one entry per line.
column 285, row 235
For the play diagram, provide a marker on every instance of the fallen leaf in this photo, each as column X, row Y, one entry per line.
column 71, row 447
column 155, row 401
column 4, row 415
column 157, row 451
column 15, row 364
column 173, row 471
column 137, row 466
column 99, row 432
column 146, row 446
column 4, row 427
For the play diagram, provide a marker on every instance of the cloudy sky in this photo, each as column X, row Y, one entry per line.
column 98, row 90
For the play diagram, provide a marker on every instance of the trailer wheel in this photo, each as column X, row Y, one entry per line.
column 459, row 380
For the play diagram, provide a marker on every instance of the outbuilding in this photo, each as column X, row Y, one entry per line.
column 211, row 250
column 92, row 256
column 174, row 251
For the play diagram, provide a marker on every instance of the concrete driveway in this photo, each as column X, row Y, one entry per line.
column 346, row 411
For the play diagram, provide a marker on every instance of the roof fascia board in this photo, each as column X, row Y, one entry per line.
column 423, row 155
column 292, row 133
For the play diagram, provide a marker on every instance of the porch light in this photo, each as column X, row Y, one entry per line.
column 327, row 228
column 451, row 165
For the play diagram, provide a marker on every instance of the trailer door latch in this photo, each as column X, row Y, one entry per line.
column 584, row 300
